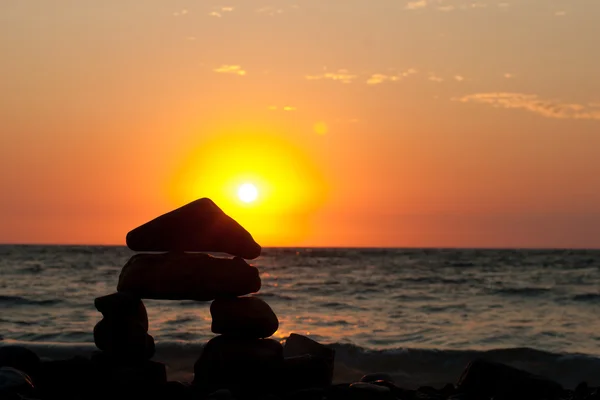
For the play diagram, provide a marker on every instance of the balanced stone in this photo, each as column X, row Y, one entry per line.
column 243, row 317
column 187, row 276
column 200, row 226
column 249, row 365
column 123, row 307
column 122, row 339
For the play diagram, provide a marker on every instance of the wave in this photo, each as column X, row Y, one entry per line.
column 587, row 297
column 410, row 367
column 429, row 280
column 23, row 301
column 524, row 291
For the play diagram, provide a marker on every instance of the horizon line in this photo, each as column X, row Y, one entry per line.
column 331, row 247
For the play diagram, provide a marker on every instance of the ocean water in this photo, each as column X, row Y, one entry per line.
column 419, row 314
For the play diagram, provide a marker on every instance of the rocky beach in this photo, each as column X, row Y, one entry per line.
column 243, row 360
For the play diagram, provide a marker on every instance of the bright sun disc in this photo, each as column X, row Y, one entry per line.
column 247, row 193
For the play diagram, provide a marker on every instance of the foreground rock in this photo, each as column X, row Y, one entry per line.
column 247, row 317
column 240, row 365
column 184, row 276
column 200, row 226
column 236, row 368
column 20, row 358
column 485, row 379
column 308, row 363
column 14, row 383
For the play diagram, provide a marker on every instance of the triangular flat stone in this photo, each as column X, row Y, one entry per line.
column 200, row 226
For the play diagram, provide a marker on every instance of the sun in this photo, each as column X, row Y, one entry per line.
column 247, row 193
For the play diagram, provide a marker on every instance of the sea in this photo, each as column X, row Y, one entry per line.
column 420, row 315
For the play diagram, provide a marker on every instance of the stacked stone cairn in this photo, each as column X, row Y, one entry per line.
column 175, row 266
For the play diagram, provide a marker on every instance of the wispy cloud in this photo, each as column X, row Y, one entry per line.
column 378, row 78
column 341, row 75
column 459, row 78
column 284, row 108
column 533, row 103
column 415, row 5
column 219, row 11
column 450, row 5
column 230, row 69
column 435, row 78
column 560, row 13
column 345, row 76
column 270, row 11
column 180, row 13
column 508, row 75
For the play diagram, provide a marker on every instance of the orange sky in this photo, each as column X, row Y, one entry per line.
column 437, row 123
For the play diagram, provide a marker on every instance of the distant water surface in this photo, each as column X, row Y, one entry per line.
column 367, row 302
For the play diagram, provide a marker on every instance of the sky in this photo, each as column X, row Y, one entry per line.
column 372, row 123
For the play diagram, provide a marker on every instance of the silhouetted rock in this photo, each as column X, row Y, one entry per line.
column 239, row 364
column 307, row 394
column 377, row 376
column 184, row 276
column 115, row 379
column 429, row 392
column 368, row 391
column 124, row 339
column 399, row 393
column 200, row 226
column 305, row 372
column 14, row 382
column 148, row 373
column 20, row 358
column 340, row 391
column 67, row 379
column 174, row 390
column 243, row 316
column 221, row 394
column 486, row 379
column 122, row 307
column 298, row 345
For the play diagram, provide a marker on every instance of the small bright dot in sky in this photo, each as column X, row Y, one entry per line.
column 247, row 193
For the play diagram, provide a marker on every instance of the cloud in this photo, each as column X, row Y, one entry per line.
column 459, row 78
column 415, row 5
column 560, row 13
column 230, row 69
column 435, row 78
column 342, row 75
column 219, row 11
column 284, row 108
column 508, row 75
column 533, row 103
column 270, row 11
column 180, row 13
column 345, row 76
column 376, row 79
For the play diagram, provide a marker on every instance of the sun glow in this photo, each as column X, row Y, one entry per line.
column 248, row 193
column 267, row 183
